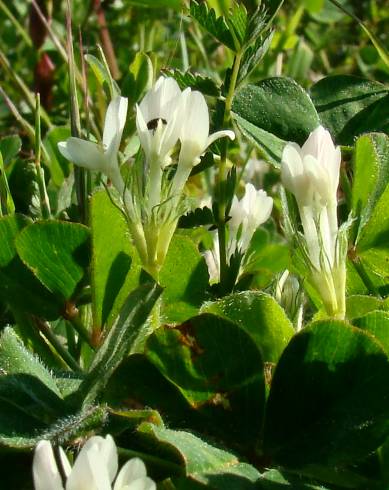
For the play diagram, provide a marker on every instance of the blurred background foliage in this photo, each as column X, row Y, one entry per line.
column 313, row 39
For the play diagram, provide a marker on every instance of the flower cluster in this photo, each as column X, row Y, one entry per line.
column 95, row 468
column 165, row 117
column 311, row 173
column 246, row 216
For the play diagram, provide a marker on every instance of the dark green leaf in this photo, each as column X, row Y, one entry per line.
column 329, row 397
column 278, row 106
column 260, row 316
column 18, row 286
column 203, row 463
column 349, row 106
column 219, row 370
column 10, row 147
column 56, row 252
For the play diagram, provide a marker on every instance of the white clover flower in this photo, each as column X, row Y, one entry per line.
column 311, row 173
column 102, row 158
column 159, row 119
column 95, row 468
column 247, row 214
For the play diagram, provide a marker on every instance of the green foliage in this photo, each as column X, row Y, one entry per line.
column 184, row 277
column 349, row 106
column 56, row 252
column 115, row 267
column 331, row 377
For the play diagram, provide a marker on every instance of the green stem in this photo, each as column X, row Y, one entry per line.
column 47, row 332
column 81, row 330
column 80, row 174
column 222, row 172
column 359, row 267
column 40, row 175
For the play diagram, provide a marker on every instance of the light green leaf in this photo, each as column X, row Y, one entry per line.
column 260, row 316
column 115, row 264
column 56, row 252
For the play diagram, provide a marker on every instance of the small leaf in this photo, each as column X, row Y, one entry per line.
column 58, row 165
column 10, row 147
column 195, row 81
column 56, row 252
column 216, row 26
column 103, row 75
column 139, row 78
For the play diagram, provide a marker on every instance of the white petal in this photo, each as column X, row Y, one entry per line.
column 115, row 120
column 196, row 121
column 161, row 100
column 83, row 153
column 292, row 169
column 131, row 471
column 110, row 456
column 44, row 468
column 65, row 462
column 219, row 134
column 89, row 470
column 143, row 132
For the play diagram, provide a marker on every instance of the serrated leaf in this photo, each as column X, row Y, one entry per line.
column 56, row 252
column 217, row 26
column 253, row 55
column 195, row 81
column 238, row 22
column 202, row 462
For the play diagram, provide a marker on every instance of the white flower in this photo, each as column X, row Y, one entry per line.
column 246, row 215
column 158, row 120
column 102, row 158
column 95, row 468
column 194, row 135
column 311, row 172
